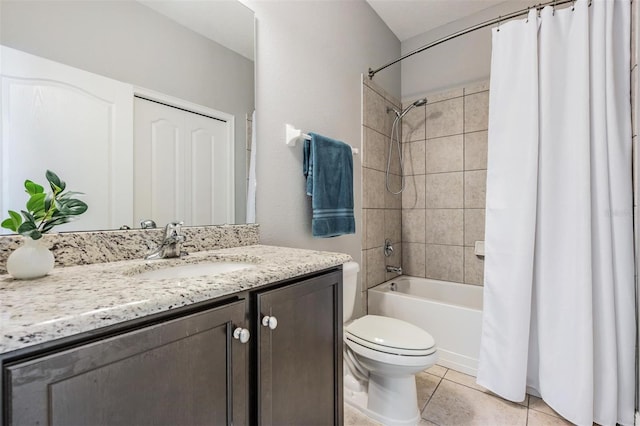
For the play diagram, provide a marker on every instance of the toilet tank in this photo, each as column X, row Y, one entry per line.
column 349, row 288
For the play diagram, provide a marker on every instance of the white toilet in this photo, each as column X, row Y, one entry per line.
column 381, row 357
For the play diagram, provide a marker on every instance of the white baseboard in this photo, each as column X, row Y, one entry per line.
column 458, row 362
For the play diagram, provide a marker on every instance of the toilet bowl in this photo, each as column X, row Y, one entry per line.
column 382, row 356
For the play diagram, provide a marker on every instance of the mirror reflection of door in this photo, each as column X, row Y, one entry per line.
column 183, row 165
column 77, row 124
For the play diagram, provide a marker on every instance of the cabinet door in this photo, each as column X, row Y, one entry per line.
column 299, row 362
column 186, row 371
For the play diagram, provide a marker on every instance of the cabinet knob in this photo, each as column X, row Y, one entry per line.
column 241, row 334
column 271, row 322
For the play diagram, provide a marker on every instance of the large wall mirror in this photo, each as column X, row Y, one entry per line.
column 164, row 61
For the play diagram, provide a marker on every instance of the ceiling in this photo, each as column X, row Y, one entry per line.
column 230, row 23
column 227, row 22
column 408, row 18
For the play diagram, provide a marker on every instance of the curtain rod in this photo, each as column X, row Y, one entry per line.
column 494, row 21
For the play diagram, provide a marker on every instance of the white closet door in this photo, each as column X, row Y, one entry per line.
column 70, row 121
column 184, row 166
column 210, row 172
column 159, row 162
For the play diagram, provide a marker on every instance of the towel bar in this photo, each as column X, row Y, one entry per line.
column 293, row 135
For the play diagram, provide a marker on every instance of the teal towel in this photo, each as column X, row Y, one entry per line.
column 328, row 167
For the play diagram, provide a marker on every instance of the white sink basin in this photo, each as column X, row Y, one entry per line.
column 195, row 270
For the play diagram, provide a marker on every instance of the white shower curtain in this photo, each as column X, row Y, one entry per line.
column 559, row 293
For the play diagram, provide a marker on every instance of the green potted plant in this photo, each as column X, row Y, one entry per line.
column 43, row 212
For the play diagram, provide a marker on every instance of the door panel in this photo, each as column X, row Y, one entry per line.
column 183, row 166
column 159, row 163
column 300, row 362
column 70, row 121
column 185, row 371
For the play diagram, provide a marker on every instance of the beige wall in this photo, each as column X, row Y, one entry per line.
column 445, row 145
column 309, row 63
column 435, row 222
column 456, row 62
column 381, row 210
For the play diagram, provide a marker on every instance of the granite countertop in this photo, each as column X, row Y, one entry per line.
column 77, row 299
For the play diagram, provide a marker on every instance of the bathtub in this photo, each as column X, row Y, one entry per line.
column 450, row 312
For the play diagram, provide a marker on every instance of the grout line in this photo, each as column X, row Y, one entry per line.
column 452, row 134
column 448, row 135
column 377, row 131
column 424, row 231
column 478, row 390
column 385, row 96
column 489, row 393
column 441, row 173
column 431, row 397
column 464, row 210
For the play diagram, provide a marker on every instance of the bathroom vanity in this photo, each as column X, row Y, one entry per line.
column 98, row 344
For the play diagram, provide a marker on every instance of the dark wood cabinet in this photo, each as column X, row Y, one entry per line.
column 188, row 367
column 298, row 375
column 186, row 371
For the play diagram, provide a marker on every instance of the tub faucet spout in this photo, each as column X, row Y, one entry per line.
column 396, row 269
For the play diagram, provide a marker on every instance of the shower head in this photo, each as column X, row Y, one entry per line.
column 400, row 114
column 420, row 102
column 417, row 103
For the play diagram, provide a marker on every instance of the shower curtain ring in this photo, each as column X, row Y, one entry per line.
column 554, row 7
column 573, row 5
column 499, row 19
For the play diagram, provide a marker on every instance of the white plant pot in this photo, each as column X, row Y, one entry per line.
column 32, row 260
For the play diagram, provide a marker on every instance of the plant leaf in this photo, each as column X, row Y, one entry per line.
column 45, row 210
column 8, row 224
column 15, row 216
column 71, row 207
column 54, row 222
column 57, row 184
column 32, row 188
column 13, row 222
column 28, row 229
column 34, row 234
column 28, row 218
column 36, row 203
column 39, row 215
column 47, row 202
column 69, row 194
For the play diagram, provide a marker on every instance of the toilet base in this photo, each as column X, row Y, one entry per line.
column 390, row 409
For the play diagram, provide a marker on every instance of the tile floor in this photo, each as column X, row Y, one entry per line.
column 447, row 397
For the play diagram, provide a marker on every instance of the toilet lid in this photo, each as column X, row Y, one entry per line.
column 390, row 335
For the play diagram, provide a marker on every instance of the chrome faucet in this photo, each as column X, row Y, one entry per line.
column 171, row 244
column 388, row 248
column 147, row 224
column 396, row 269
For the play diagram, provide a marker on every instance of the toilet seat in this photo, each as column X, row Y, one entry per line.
column 389, row 350
column 389, row 336
column 381, row 359
column 391, row 359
